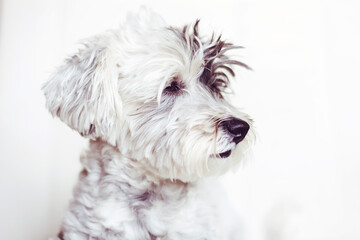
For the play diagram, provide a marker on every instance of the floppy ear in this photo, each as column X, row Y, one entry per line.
column 83, row 92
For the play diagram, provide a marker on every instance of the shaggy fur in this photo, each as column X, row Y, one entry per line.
column 152, row 100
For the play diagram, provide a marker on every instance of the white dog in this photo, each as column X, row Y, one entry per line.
column 152, row 99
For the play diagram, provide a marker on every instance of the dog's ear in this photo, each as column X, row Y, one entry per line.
column 83, row 92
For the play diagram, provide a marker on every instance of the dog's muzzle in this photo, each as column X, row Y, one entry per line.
column 237, row 128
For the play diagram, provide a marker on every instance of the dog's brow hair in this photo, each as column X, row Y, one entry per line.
column 217, row 68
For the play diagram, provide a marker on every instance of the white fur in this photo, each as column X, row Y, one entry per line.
column 150, row 153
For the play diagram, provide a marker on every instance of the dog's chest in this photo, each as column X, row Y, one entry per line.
column 168, row 212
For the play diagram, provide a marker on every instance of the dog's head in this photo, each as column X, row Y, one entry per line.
column 158, row 94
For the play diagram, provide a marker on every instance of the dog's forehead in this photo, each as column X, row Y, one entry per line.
column 159, row 56
column 178, row 54
column 156, row 56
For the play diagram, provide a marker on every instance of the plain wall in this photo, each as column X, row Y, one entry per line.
column 304, row 180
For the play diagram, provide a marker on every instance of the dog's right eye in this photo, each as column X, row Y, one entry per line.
column 173, row 87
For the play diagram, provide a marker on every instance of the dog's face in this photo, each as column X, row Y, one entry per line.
column 158, row 94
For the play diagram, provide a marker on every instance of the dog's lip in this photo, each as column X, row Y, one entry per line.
column 225, row 154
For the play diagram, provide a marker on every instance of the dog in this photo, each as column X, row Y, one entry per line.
column 153, row 100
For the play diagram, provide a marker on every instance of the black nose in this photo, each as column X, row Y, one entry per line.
column 237, row 128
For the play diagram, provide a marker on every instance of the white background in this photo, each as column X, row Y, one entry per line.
column 304, row 181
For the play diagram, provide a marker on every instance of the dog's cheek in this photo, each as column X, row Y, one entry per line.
column 191, row 146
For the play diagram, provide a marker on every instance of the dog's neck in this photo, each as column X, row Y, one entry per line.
column 109, row 172
column 117, row 198
column 105, row 161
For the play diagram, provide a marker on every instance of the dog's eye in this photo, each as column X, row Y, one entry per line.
column 174, row 87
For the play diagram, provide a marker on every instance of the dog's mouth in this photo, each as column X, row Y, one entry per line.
column 225, row 154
